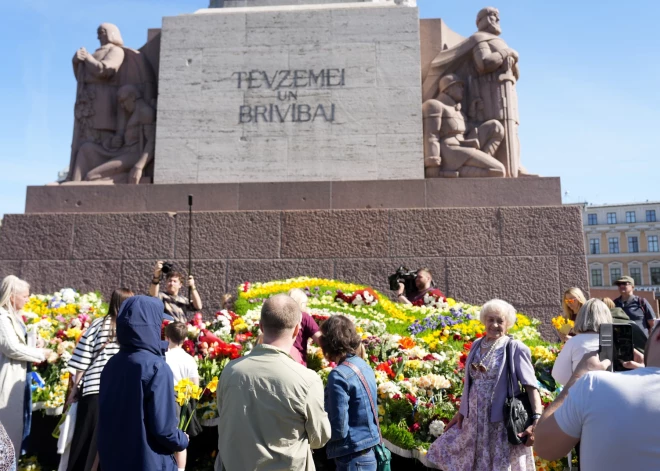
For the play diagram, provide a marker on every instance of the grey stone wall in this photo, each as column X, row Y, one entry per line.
column 525, row 255
column 213, row 129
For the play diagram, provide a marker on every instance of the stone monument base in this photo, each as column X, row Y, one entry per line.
column 522, row 253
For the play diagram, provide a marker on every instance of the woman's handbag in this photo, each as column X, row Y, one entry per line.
column 517, row 409
column 383, row 455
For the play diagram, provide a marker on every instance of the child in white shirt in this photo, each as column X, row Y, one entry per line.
column 182, row 365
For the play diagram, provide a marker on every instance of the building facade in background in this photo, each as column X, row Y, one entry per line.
column 623, row 239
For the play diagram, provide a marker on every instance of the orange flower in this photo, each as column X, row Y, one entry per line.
column 406, row 343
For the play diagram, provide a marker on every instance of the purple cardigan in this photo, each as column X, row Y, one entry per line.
column 524, row 373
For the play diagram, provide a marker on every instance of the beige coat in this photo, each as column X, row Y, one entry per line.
column 14, row 355
column 271, row 413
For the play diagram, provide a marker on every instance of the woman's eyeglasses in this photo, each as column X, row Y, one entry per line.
column 570, row 301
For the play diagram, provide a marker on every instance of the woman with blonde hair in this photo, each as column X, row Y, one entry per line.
column 15, row 356
column 572, row 302
column 587, row 324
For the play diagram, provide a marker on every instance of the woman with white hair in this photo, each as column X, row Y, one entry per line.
column 587, row 324
column 476, row 438
column 15, row 354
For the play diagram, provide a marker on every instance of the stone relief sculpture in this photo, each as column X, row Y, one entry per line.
column 488, row 69
column 451, row 151
column 124, row 158
column 99, row 119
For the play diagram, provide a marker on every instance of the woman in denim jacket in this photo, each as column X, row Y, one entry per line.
column 354, row 427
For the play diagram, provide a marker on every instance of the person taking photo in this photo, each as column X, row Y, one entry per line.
column 176, row 306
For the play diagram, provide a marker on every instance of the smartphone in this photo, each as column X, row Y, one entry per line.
column 616, row 345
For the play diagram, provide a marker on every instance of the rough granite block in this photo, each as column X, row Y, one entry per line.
column 518, row 280
column 123, row 236
column 444, row 232
column 541, row 231
column 220, row 235
column 48, row 276
column 36, row 237
column 334, row 234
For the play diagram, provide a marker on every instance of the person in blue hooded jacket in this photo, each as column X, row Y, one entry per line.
column 138, row 426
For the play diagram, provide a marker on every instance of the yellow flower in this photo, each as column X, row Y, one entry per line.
column 213, row 385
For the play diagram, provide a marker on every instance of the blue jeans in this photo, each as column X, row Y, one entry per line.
column 361, row 461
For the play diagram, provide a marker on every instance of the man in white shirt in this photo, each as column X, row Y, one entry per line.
column 614, row 416
column 180, row 362
column 182, row 365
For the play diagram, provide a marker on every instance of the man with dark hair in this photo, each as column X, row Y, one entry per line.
column 637, row 308
column 175, row 305
column 426, row 289
column 271, row 410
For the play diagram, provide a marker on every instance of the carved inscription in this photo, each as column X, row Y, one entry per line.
column 285, row 85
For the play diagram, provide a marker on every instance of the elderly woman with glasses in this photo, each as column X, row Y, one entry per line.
column 476, row 438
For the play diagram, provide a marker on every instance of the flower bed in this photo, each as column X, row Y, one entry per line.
column 418, row 353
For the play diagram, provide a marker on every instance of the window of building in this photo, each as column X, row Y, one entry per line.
column 615, row 274
column 653, row 243
column 650, row 215
column 592, row 219
column 596, row 277
column 594, row 246
column 611, row 218
column 636, row 274
column 655, row 275
column 630, row 216
column 633, row 244
column 614, row 244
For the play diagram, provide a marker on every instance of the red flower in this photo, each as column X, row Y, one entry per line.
column 245, row 286
column 189, row 347
column 457, row 337
column 386, row 368
column 467, row 346
column 411, row 398
column 396, row 397
column 480, row 335
column 414, row 428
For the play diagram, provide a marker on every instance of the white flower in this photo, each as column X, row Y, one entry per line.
column 68, row 295
column 436, row 428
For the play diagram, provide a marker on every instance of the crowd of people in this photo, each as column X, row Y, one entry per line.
column 273, row 411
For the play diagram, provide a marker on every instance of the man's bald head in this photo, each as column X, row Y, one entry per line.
column 279, row 314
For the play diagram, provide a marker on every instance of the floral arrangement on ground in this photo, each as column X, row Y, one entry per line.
column 418, row 353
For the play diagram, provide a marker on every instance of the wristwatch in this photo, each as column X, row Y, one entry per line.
column 535, row 416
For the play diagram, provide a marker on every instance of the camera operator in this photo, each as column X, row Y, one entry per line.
column 175, row 305
column 424, row 286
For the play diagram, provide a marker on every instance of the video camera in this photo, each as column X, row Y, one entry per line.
column 405, row 276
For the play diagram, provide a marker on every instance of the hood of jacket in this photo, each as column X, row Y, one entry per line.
column 619, row 315
column 139, row 325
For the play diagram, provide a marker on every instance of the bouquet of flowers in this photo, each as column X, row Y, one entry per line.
column 563, row 326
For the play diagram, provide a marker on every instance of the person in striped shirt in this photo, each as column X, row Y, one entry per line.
column 97, row 345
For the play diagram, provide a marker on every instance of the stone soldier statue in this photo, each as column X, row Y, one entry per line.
column 449, row 149
column 489, row 69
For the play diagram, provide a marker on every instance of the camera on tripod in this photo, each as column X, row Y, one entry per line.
column 405, row 276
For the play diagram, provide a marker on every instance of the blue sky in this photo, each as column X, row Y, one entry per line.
column 588, row 92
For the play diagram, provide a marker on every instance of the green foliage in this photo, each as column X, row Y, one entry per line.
column 399, row 435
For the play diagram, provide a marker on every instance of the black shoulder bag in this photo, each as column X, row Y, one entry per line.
column 517, row 409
